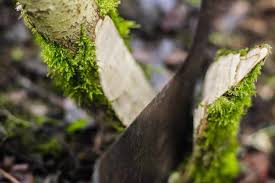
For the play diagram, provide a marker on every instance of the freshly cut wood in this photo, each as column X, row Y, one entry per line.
column 122, row 80
column 224, row 74
column 228, row 87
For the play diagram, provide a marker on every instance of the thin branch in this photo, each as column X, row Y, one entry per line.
column 8, row 176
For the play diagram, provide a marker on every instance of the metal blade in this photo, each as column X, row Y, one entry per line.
column 161, row 136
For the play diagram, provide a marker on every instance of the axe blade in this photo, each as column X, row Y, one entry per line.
column 161, row 136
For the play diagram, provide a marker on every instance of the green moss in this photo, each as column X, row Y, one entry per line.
column 77, row 125
column 12, row 120
column 11, row 125
column 242, row 52
column 52, row 146
column 109, row 7
column 195, row 3
column 222, row 52
column 214, row 160
column 76, row 73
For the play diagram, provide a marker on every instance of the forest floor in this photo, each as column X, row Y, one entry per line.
column 46, row 138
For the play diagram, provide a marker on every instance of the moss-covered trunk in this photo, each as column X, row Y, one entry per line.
column 86, row 54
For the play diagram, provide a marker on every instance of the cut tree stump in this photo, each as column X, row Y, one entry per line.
column 225, row 73
column 228, row 88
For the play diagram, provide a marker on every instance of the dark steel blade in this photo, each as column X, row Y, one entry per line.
column 161, row 136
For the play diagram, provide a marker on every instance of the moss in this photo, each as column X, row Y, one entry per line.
column 52, row 146
column 77, row 125
column 195, row 3
column 242, row 52
column 19, row 126
column 109, row 7
column 76, row 73
column 222, row 52
column 11, row 124
column 12, row 119
column 214, row 158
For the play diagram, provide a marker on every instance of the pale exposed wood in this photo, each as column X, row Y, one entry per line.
column 224, row 74
column 8, row 176
column 123, row 81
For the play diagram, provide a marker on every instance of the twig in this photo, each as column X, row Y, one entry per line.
column 8, row 176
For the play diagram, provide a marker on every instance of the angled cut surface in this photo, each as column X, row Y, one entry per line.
column 227, row 72
column 122, row 80
column 228, row 88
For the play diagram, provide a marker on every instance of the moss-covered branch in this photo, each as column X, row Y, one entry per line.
column 73, row 37
column 214, row 159
column 229, row 86
column 76, row 73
